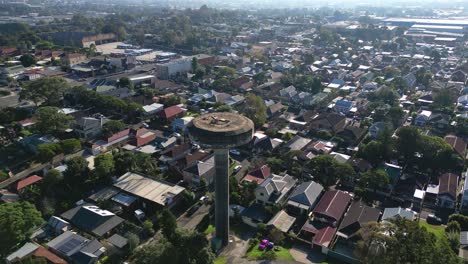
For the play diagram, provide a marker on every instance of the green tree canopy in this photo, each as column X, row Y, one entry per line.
column 402, row 241
column 255, row 109
column 375, row 180
column 70, row 145
column 104, row 168
column 327, row 171
column 50, row 120
column 48, row 90
column 16, row 223
column 27, row 60
column 111, row 127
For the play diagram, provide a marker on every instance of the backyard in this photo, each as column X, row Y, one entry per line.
column 438, row 231
column 281, row 254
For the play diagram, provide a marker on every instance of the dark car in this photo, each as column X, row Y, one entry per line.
column 192, row 210
column 434, row 220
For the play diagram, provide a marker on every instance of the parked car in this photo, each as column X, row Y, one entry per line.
column 234, row 152
column 237, row 168
column 432, row 219
column 203, row 199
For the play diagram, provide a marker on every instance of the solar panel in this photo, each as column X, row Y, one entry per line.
column 69, row 245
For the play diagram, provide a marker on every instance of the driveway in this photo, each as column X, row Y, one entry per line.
column 191, row 222
column 305, row 255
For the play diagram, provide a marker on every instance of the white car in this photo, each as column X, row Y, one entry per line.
column 237, row 168
column 234, row 152
column 203, row 199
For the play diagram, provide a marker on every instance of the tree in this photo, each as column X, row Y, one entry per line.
column 259, row 78
column 47, row 151
column 125, row 82
column 111, row 127
column 372, row 152
column 48, row 90
column 402, row 241
column 76, row 176
column 104, row 168
column 50, row 120
column 27, row 60
column 51, row 180
column 395, row 115
column 3, row 176
column 255, row 109
column 407, row 143
column 453, row 239
column 453, row 226
column 17, row 220
column 194, row 64
column 443, row 100
column 168, row 224
column 133, row 242
column 375, row 180
column 327, row 171
column 70, row 145
column 222, row 85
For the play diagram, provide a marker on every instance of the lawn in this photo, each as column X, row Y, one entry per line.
column 220, row 260
column 282, row 254
column 438, row 231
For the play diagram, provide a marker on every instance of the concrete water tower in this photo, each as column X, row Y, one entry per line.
column 221, row 132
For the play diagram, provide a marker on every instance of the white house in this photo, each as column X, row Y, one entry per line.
column 422, row 118
column 90, row 127
column 180, row 124
column 274, row 189
column 152, row 108
column 464, row 201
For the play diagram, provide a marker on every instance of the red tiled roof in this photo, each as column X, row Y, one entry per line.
column 28, row 121
column 448, row 183
column 118, row 135
column 259, row 175
column 170, row 112
column 457, row 144
column 51, row 257
column 324, row 236
column 333, row 204
column 28, row 181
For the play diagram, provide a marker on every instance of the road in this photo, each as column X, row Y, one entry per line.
column 191, row 222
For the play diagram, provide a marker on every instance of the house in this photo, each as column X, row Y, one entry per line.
column 343, row 106
column 180, row 124
column 457, row 143
column 331, row 207
column 390, row 213
column 27, row 182
column 153, row 192
column 462, row 102
column 274, row 109
column 352, row 134
column 464, row 200
column 282, row 221
column 142, row 137
column 410, row 79
column 376, row 128
column 447, row 196
column 171, row 155
column 36, row 252
column 355, row 218
column 202, row 169
column 267, row 145
column 331, row 122
column 171, row 113
column 439, row 120
column 297, row 143
column 258, row 175
column 90, row 127
column 304, row 197
column 73, row 59
column 370, row 86
column 77, row 249
column 288, row 92
column 422, row 118
column 274, row 189
column 92, row 219
column 152, row 109
column 32, row 142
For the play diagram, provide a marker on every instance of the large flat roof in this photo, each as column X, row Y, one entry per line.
column 429, row 21
column 151, row 189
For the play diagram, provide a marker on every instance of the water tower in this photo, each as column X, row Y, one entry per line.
column 221, row 132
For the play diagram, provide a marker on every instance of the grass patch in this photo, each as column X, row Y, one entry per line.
column 220, row 260
column 209, row 230
column 438, row 231
column 282, row 254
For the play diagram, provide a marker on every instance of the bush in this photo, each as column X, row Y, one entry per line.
column 461, row 219
column 71, row 145
column 453, row 226
column 268, row 255
column 253, row 242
